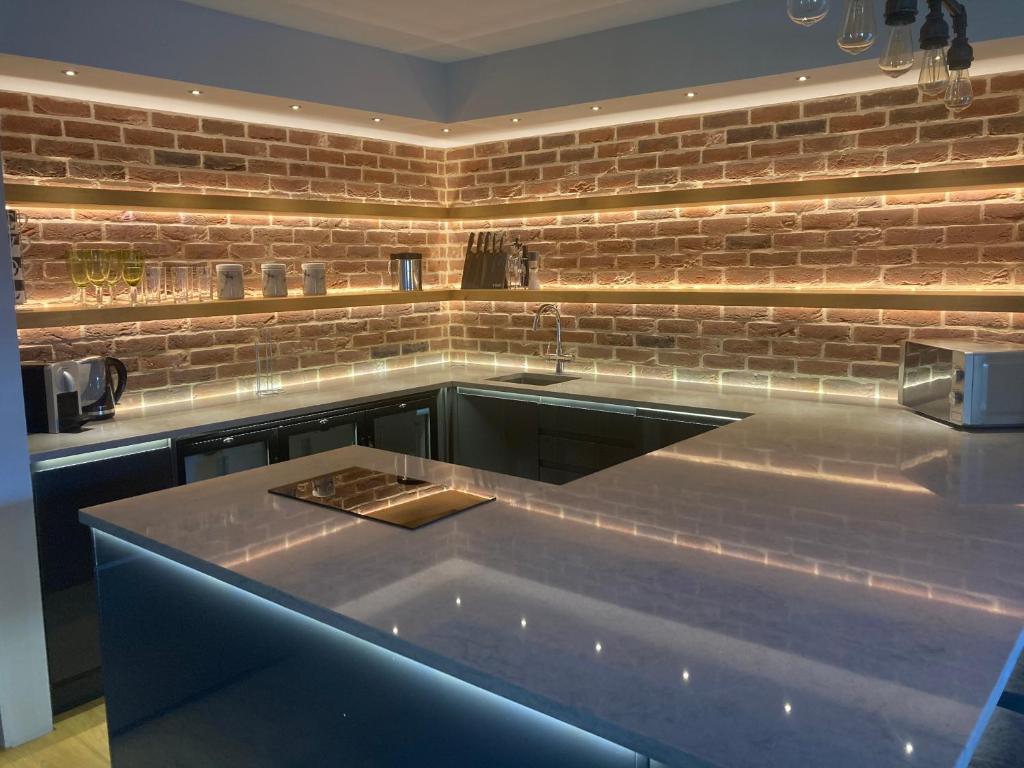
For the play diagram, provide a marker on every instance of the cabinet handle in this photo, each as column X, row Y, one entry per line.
column 228, row 440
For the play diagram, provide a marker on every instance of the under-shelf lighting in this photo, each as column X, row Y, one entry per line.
column 69, row 72
column 196, row 92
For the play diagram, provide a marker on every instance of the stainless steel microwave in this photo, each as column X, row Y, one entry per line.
column 964, row 383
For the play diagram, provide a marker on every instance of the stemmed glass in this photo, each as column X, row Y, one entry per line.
column 79, row 276
column 114, row 272
column 132, row 266
column 97, row 267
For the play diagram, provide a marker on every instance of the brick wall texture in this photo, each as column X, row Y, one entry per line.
column 953, row 240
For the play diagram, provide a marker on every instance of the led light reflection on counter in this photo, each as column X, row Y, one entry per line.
column 686, row 675
column 908, row 749
column 787, row 708
column 458, row 600
column 394, row 630
column 522, row 622
column 832, row 571
column 598, row 647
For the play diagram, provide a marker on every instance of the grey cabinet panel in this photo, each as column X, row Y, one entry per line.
column 496, row 434
column 659, row 433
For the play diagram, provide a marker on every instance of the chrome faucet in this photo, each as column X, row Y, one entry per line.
column 559, row 357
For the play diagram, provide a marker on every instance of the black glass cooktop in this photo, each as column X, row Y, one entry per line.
column 394, row 499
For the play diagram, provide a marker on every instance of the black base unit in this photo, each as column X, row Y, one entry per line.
column 66, row 558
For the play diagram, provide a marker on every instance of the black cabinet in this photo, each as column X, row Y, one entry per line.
column 576, row 441
column 402, row 426
column 496, row 433
column 408, row 425
column 557, row 440
column 316, row 435
column 225, row 453
column 60, row 489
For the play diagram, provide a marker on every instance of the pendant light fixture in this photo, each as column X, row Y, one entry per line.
column 858, row 30
column 898, row 56
column 807, row 13
column 945, row 65
column 960, row 91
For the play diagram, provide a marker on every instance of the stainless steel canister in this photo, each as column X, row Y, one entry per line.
column 406, row 270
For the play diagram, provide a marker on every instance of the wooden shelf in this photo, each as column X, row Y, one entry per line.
column 953, row 301
column 996, row 177
column 65, row 314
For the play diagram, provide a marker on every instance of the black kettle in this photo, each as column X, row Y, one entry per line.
column 101, row 382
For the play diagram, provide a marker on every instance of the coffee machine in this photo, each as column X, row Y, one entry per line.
column 101, row 382
column 52, row 401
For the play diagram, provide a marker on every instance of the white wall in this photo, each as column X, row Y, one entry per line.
column 24, row 686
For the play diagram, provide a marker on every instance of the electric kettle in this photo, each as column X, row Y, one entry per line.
column 101, row 382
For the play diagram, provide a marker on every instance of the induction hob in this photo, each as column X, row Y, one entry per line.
column 395, row 499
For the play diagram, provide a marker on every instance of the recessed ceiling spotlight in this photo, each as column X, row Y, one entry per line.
column 295, row 107
column 376, row 119
column 446, row 130
column 196, row 92
column 595, row 108
column 691, row 94
column 803, row 78
column 69, row 72
column 515, row 119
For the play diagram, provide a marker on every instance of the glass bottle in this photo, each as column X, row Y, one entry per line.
column 857, row 33
column 898, row 57
column 807, row 13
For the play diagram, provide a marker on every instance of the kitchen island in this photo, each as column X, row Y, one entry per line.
column 818, row 583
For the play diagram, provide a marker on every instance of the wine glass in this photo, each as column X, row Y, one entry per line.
column 115, row 267
column 132, row 265
column 77, row 271
column 97, row 265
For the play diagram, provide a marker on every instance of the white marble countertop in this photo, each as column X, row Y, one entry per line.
column 820, row 583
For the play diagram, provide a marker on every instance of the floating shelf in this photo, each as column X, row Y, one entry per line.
column 73, row 314
column 996, row 177
column 953, row 301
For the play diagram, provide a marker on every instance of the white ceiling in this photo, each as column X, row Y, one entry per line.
column 450, row 30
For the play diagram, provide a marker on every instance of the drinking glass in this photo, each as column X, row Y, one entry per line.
column 79, row 276
column 153, row 283
column 132, row 265
column 201, row 282
column 114, row 272
column 180, row 283
column 97, row 265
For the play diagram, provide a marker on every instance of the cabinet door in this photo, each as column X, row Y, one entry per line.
column 408, row 427
column 497, row 434
column 577, row 441
column 316, row 436
column 225, row 455
column 662, row 431
column 66, row 560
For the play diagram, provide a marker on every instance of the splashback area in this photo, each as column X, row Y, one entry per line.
column 962, row 239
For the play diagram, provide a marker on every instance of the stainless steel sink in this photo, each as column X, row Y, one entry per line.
column 537, row 379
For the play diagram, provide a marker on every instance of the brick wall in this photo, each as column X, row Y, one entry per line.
column 953, row 241
column 950, row 240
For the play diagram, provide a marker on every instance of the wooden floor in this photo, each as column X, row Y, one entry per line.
column 79, row 740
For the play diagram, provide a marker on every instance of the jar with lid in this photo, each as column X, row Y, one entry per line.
column 275, row 282
column 229, row 281
column 314, row 278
